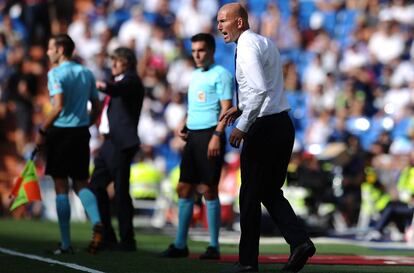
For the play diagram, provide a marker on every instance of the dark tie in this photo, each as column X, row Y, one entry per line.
column 235, row 80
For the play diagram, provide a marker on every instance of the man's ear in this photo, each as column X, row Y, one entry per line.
column 239, row 23
column 60, row 49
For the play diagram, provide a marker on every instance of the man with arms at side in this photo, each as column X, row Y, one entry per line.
column 209, row 95
column 267, row 133
column 65, row 135
column 118, row 124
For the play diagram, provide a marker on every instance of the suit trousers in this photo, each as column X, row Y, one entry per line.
column 264, row 160
column 113, row 164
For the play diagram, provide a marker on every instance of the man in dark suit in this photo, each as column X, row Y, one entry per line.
column 118, row 124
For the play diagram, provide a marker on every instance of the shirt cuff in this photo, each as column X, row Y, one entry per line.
column 243, row 125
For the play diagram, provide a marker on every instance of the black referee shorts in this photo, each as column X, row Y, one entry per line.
column 195, row 166
column 67, row 152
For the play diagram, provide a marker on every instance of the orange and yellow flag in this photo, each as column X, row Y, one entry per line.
column 26, row 188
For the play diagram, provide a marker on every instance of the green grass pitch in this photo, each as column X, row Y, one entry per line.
column 37, row 237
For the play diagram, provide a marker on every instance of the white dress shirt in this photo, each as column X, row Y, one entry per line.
column 260, row 79
column 104, row 124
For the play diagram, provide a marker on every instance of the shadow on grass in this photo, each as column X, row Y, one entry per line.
column 36, row 237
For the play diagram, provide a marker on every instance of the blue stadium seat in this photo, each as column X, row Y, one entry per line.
column 172, row 158
column 187, row 46
column 329, row 22
column 223, row 2
column 402, row 128
column 225, row 54
column 305, row 57
column 284, row 7
column 290, row 55
column 345, row 25
column 150, row 17
column 257, row 7
column 116, row 18
column 299, row 108
column 306, row 8
column 375, row 130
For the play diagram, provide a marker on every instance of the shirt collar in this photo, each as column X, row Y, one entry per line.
column 243, row 34
column 119, row 77
column 207, row 68
column 64, row 63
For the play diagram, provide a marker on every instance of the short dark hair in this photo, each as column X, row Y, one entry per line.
column 207, row 38
column 127, row 55
column 66, row 42
column 243, row 14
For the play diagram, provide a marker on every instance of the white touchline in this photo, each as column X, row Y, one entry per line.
column 47, row 260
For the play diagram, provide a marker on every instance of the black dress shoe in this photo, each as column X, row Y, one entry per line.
column 236, row 268
column 109, row 246
column 211, row 253
column 109, row 241
column 173, row 252
column 126, row 247
column 299, row 257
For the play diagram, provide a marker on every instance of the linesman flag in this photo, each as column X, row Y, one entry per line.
column 26, row 188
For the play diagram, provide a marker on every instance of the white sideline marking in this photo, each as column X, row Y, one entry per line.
column 47, row 260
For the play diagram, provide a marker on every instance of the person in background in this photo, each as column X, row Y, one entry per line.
column 209, row 95
column 65, row 136
column 267, row 133
column 118, row 125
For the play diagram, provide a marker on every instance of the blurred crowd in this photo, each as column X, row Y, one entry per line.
column 348, row 71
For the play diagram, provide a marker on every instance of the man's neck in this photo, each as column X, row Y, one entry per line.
column 63, row 59
column 207, row 67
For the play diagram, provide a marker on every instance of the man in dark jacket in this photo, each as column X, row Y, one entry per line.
column 118, row 124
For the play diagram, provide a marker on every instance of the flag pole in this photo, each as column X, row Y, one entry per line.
column 34, row 152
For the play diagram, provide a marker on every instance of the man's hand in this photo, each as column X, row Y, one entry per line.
column 236, row 137
column 213, row 147
column 182, row 132
column 230, row 116
column 100, row 85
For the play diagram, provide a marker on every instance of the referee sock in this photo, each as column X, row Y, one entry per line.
column 185, row 212
column 90, row 205
column 214, row 221
column 63, row 213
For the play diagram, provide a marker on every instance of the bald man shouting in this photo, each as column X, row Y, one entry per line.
column 267, row 133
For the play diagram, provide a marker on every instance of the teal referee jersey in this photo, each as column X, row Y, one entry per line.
column 77, row 84
column 206, row 90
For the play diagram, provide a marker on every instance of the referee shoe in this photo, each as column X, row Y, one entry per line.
column 173, row 252
column 211, row 253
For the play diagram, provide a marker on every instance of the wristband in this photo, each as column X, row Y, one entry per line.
column 42, row 132
column 217, row 133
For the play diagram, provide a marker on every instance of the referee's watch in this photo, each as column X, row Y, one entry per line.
column 217, row 133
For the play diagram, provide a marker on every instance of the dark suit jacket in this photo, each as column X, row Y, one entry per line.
column 124, row 110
